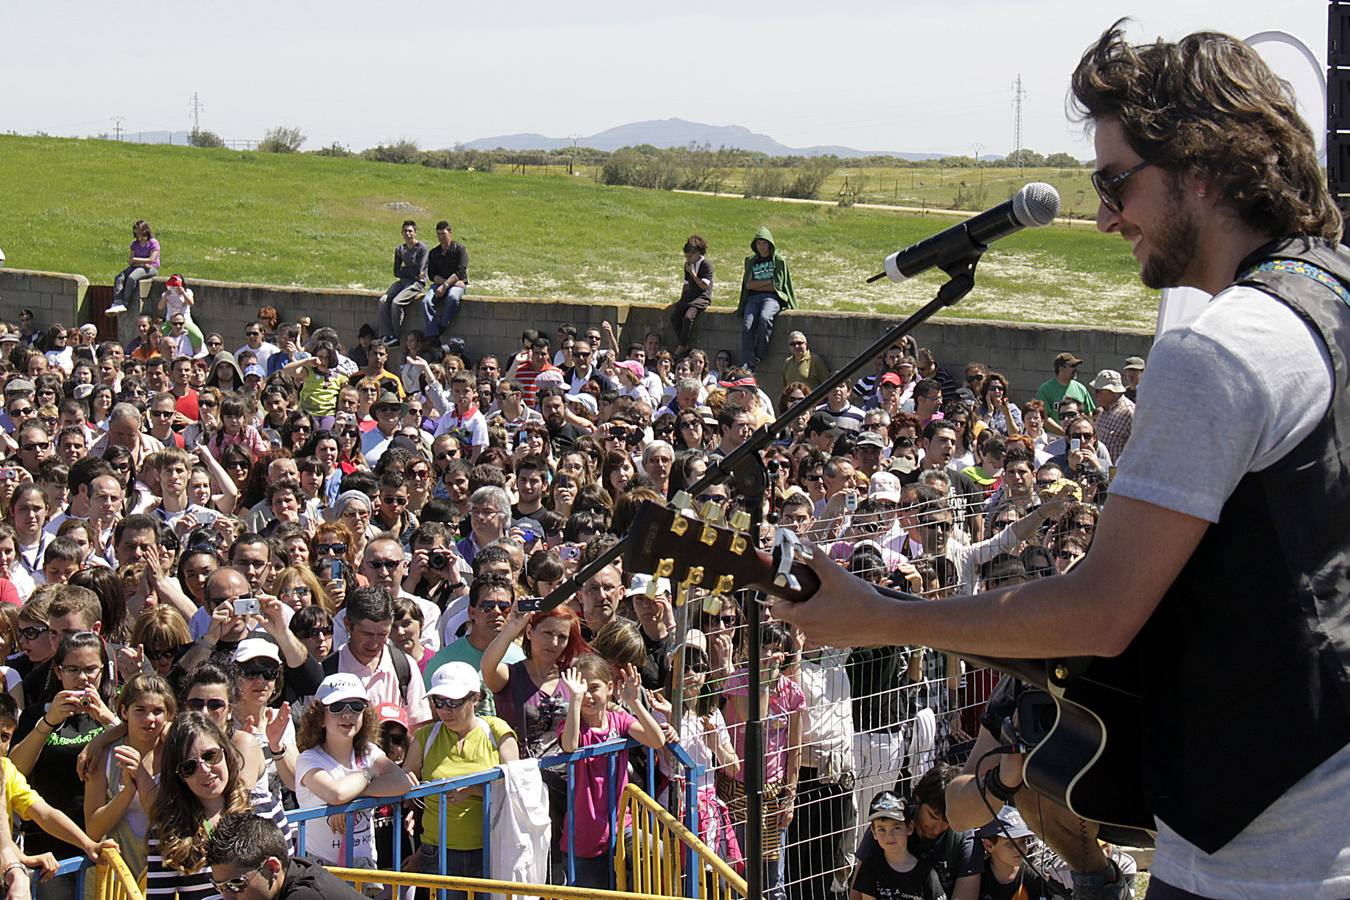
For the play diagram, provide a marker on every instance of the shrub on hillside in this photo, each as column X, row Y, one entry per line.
column 807, row 180
column 333, row 149
column 282, row 139
column 765, row 181
column 401, row 151
column 200, row 137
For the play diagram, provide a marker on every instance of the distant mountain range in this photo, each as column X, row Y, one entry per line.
column 678, row 133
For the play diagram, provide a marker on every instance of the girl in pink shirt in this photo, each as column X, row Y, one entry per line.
column 591, row 720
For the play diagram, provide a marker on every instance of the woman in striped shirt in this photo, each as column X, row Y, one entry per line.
column 199, row 783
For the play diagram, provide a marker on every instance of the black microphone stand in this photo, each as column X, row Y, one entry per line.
column 744, row 467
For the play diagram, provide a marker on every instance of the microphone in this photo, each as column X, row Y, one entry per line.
column 1034, row 205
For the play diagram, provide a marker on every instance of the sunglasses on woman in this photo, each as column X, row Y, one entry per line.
column 317, row 631
column 447, row 703
column 347, row 706
column 201, row 704
column 188, row 767
column 337, row 548
column 260, row 673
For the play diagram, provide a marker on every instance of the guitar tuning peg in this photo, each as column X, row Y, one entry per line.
column 696, row 575
column 651, row 589
column 725, row 585
column 679, row 525
column 682, row 501
column 740, row 520
column 664, row 568
column 709, row 535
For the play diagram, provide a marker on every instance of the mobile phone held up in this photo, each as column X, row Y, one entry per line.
column 530, row 604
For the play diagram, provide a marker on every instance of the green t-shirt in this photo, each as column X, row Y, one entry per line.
column 449, row 757
column 462, row 651
column 1052, row 392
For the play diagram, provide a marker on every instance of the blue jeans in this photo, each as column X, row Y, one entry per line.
column 757, row 328
column 438, row 320
column 458, row 863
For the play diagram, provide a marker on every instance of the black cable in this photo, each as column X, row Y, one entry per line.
column 979, row 785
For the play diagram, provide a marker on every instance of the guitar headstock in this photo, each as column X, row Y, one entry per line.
column 699, row 550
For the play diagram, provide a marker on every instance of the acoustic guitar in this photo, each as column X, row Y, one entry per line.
column 1089, row 758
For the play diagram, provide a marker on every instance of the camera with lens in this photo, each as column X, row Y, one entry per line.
column 1032, row 721
column 439, row 560
column 773, row 467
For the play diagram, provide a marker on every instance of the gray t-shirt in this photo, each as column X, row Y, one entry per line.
column 1233, row 393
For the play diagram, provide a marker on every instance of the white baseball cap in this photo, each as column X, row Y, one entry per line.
column 639, row 585
column 454, row 681
column 256, row 648
column 339, row 687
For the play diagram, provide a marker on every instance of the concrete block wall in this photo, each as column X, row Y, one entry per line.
column 52, row 296
column 1022, row 352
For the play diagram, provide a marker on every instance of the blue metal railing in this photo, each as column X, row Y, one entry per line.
column 615, row 753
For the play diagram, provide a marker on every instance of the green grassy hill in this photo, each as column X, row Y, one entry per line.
column 324, row 222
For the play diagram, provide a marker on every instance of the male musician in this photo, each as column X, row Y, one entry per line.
column 1225, row 571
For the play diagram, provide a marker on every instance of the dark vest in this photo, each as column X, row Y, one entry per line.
column 1245, row 665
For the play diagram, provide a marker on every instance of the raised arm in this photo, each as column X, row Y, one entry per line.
column 497, row 673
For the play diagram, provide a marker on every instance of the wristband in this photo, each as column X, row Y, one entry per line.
column 49, row 724
column 995, row 786
column 15, row 864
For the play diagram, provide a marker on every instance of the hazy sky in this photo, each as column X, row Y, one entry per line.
column 901, row 75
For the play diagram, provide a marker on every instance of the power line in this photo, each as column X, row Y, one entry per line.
column 1018, row 95
column 117, row 126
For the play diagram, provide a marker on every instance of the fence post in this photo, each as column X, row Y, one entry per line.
column 610, row 804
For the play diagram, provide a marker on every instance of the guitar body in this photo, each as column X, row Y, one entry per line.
column 1091, row 756
column 1091, row 759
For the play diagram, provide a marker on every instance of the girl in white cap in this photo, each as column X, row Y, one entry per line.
column 341, row 760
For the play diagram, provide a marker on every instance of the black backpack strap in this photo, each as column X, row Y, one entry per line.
column 402, row 669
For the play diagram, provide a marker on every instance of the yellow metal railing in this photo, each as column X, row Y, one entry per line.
column 658, row 853
column 113, row 880
column 481, row 887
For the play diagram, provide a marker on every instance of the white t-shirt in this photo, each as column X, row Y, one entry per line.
column 1234, row 392
column 321, row 842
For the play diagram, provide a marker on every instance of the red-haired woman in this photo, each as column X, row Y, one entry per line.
column 530, row 694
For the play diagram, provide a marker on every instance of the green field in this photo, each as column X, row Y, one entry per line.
column 933, row 187
column 324, row 222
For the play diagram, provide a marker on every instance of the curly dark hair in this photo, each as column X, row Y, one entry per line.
column 311, row 733
column 1208, row 104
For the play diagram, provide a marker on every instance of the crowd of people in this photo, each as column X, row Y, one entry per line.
column 290, row 575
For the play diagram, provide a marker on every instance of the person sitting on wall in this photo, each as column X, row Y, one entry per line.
column 448, row 267
column 410, row 268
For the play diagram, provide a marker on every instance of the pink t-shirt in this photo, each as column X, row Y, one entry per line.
column 590, row 802
column 787, row 698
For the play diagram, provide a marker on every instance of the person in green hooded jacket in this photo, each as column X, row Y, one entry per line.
column 765, row 290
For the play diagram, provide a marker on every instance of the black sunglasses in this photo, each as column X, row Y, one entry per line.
column 265, row 673
column 1108, row 186
column 447, row 703
column 188, row 767
column 201, row 704
column 317, row 631
column 347, row 706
